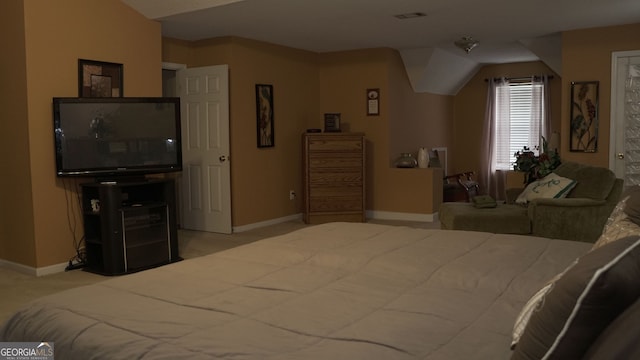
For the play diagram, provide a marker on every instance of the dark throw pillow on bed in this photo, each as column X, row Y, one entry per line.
column 620, row 339
column 583, row 302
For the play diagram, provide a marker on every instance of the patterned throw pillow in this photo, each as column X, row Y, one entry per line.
column 618, row 225
column 552, row 186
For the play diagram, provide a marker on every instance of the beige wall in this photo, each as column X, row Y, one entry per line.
column 43, row 213
column 177, row 51
column 34, row 229
column 17, row 238
column 307, row 85
column 586, row 56
column 344, row 78
column 260, row 177
column 416, row 119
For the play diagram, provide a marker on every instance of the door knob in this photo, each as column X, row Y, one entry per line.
column 620, row 155
column 222, row 158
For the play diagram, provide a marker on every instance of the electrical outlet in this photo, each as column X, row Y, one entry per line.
column 292, row 195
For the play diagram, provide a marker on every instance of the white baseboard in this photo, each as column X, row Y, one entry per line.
column 389, row 215
column 30, row 270
column 248, row 227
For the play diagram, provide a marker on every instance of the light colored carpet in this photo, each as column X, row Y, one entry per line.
column 18, row 289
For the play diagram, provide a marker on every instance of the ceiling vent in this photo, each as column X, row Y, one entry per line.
column 410, row 15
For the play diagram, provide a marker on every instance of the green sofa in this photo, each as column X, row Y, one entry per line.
column 580, row 216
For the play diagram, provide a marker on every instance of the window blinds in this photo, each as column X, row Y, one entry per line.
column 519, row 118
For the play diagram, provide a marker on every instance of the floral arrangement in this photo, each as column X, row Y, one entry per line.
column 536, row 167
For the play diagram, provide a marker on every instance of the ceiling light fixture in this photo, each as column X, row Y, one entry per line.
column 466, row 43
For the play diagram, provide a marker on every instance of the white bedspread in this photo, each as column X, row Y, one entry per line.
column 332, row 291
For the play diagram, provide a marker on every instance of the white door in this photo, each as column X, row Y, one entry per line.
column 206, row 176
column 624, row 151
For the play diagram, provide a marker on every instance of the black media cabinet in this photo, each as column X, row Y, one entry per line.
column 129, row 226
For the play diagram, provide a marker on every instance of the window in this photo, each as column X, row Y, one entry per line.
column 519, row 119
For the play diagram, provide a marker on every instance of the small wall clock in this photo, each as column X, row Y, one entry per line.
column 373, row 101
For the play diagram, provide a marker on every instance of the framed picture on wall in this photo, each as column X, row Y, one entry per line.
column 373, row 102
column 99, row 79
column 264, row 114
column 584, row 116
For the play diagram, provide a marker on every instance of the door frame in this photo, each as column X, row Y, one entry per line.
column 173, row 66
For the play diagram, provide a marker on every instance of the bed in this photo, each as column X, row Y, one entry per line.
column 331, row 291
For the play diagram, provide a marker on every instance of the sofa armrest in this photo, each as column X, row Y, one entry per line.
column 573, row 202
column 579, row 219
column 512, row 194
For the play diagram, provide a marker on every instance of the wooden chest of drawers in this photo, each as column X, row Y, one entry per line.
column 334, row 177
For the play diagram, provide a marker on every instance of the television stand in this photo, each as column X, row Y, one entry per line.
column 129, row 226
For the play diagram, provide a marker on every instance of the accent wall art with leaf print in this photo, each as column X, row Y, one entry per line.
column 264, row 113
column 584, row 116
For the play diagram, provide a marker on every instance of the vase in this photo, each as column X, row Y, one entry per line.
column 406, row 160
column 423, row 158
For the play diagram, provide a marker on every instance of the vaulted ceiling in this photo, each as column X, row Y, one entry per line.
column 507, row 30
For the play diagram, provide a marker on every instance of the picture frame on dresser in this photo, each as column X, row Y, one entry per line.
column 332, row 122
column 264, row 116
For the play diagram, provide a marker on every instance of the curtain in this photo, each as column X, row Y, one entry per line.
column 540, row 106
column 497, row 143
column 492, row 181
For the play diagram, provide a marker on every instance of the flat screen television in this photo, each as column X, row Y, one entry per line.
column 113, row 137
